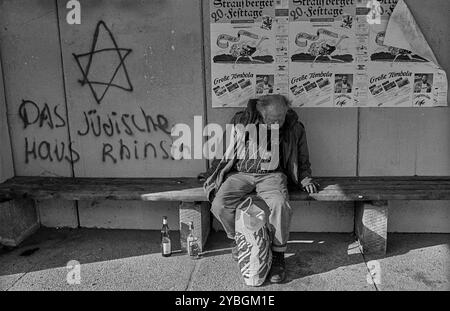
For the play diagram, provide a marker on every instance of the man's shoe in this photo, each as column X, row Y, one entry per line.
column 277, row 273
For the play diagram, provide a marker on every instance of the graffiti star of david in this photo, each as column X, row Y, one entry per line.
column 122, row 53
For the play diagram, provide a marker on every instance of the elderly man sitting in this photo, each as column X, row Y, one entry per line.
column 233, row 178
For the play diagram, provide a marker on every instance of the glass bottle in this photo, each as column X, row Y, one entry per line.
column 192, row 243
column 166, row 245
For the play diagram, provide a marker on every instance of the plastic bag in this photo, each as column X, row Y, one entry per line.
column 254, row 242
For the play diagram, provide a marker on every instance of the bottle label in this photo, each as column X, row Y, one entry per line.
column 193, row 248
column 166, row 248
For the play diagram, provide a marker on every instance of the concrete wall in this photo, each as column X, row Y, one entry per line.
column 6, row 161
column 161, row 76
column 163, row 70
column 48, row 100
column 413, row 141
column 34, row 87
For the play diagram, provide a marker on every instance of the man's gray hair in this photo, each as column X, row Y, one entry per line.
column 274, row 99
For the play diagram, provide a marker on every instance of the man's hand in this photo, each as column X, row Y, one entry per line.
column 311, row 187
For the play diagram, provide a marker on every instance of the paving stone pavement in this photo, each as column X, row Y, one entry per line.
column 131, row 260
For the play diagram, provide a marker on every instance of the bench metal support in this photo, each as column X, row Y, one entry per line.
column 18, row 220
column 199, row 213
column 371, row 226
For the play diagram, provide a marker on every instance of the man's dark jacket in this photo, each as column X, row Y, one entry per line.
column 294, row 152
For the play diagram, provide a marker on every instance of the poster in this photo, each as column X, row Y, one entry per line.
column 392, row 71
column 322, row 53
column 243, row 51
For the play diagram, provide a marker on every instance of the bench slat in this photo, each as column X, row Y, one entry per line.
column 197, row 194
column 190, row 189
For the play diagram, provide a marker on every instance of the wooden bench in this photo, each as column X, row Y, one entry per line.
column 370, row 194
